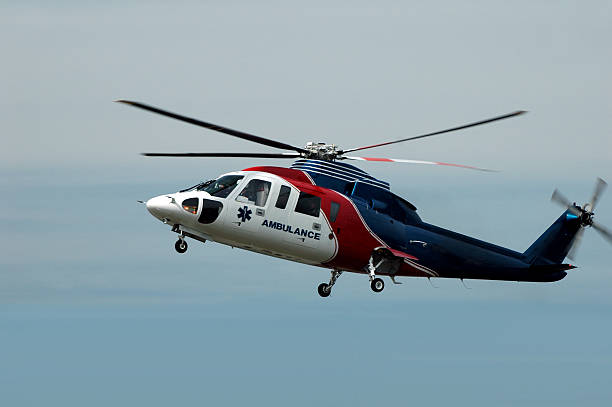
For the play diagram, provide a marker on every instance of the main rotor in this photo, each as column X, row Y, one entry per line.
column 318, row 151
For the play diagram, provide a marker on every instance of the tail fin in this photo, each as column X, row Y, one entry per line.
column 554, row 244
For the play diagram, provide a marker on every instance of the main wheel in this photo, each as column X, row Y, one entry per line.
column 377, row 285
column 324, row 290
column 180, row 246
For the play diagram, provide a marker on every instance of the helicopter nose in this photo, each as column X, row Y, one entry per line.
column 158, row 206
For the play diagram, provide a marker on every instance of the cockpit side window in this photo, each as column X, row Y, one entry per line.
column 222, row 187
column 256, row 192
column 283, row 197
column 190, row 205
column 308, row 204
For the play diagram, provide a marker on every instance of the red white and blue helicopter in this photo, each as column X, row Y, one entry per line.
column 323, row 212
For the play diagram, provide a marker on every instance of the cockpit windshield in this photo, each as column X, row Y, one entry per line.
column 221, row 187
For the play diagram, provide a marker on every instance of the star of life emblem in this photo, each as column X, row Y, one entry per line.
column 244, row 213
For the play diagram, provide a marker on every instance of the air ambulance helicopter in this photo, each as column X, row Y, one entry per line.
column 323, row 212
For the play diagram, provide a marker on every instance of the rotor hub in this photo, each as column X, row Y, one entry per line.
column 321, row 151
column 586, row 218
column 586, row 214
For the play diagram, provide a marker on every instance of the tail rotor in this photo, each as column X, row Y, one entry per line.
column 584, row 214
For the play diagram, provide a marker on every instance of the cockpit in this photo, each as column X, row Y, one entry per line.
column 211, row 209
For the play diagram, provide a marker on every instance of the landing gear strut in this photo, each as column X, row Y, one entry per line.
column 181, row 245
column 324, row 289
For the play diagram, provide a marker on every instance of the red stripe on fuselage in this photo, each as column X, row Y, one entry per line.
column 287, row 173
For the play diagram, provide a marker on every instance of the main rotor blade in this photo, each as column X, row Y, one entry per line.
column 599, row 188
column 575, row 244
column 465, row 126
column 396, row 160
column 241, row 155
column 605, row 232
column 221, row 129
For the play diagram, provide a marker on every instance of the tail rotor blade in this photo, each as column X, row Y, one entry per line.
column 575, row 245
column 605, row 232
column 599, row 188
column 559, row 198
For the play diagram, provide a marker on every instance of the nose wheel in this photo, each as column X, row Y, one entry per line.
column 180, row 246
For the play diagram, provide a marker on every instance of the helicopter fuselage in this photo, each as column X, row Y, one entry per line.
column 359, row 226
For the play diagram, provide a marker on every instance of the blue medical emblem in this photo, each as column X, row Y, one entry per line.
column 244, row 213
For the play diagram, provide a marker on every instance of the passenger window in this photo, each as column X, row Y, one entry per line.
column 283, row 197
column 333, row 213
column 308, row 204
column 191, row 205
column 256, row 192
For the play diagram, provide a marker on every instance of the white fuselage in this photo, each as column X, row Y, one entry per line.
column 261, row 214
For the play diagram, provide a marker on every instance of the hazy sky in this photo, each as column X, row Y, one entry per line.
column 96, row 308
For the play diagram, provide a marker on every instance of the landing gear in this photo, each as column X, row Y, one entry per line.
column 324, row 289
column 377, row 285
column 180, row 245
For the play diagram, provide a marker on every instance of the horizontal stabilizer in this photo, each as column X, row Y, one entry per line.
column 551, row 268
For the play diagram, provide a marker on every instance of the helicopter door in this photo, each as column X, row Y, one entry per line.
column 307, row 220
column 274, row 232
column 247, row 211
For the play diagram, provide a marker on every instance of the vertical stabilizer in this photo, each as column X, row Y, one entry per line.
column 554, row 244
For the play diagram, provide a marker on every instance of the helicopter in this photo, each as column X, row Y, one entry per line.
column 323, row 212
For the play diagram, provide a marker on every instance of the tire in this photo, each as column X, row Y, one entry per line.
column 377, row 285
column 180, row 246
column 324, row 290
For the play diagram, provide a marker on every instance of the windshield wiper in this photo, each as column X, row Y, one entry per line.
column 198, row 186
